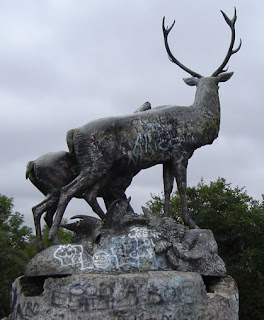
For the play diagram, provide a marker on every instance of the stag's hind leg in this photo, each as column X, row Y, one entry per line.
column 90, row 197
column 180, row 172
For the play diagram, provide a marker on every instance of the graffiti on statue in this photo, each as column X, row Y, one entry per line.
column 105, row 154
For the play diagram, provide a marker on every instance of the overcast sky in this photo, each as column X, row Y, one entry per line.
column 66, row 62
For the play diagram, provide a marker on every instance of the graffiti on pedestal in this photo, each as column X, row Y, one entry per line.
column 134, row 249
column 70, row 255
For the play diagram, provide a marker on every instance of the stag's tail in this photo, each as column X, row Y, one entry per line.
column 69, row 139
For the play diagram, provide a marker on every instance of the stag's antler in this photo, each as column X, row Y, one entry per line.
column 230, row 51
column 166, row 32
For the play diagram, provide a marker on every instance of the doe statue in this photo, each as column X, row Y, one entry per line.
column 165, row 135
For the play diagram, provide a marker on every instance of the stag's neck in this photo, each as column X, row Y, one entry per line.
column 207, row 99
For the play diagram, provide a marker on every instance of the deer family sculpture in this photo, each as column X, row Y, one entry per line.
column 54, row 170
column 166, row 135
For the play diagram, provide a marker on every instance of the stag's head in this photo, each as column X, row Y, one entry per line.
column 220, row 75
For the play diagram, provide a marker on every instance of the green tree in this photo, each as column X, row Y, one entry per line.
column 17, row 247
column 14, row 237
column 237, row 221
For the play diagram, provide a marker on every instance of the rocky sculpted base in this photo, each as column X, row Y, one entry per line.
column 130, row 243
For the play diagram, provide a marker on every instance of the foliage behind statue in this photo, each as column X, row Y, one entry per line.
column 237, row 221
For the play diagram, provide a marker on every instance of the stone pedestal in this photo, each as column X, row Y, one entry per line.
column 130, row 268
column 152, row 295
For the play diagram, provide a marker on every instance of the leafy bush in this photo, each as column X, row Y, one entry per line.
column 237, row 221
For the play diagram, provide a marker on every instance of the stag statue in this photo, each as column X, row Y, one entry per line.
column 165, row 135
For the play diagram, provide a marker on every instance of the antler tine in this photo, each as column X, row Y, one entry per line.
column 166, row 32
column 231, row 51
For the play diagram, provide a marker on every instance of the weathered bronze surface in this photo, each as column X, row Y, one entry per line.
column 54, row 170
column 106, row 154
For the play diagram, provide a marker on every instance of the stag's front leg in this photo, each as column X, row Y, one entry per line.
column 180, row 171
column 168, row 178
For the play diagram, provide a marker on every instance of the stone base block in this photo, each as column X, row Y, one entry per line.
column 153, row 295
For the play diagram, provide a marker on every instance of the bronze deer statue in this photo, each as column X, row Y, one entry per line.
column 165, row 135
column 54, row 170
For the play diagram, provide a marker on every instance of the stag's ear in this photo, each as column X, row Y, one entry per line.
column 224, row 76
column 191, row 81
